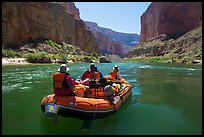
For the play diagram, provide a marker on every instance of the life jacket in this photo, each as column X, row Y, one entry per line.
column 113, row 75
column 60, row 80
column 90, row 75
column 98, row 75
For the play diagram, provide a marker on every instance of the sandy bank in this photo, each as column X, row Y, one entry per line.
column 12, row 61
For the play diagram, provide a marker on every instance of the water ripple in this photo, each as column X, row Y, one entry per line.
column 9, row 88
column 24, row 87
column 145, row 66
column 174, row 68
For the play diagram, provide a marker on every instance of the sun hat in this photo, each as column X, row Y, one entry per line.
column 92, row 65
column 116, row 67
column 63, row 68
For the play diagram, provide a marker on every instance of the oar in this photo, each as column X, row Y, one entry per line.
column 127, row 90
column 117, row 97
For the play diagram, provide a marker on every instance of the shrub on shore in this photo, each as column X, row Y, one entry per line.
column 49, row 51
column 7, row 53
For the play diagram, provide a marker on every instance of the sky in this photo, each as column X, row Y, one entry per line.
column 118, row 16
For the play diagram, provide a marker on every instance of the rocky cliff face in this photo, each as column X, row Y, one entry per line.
column 183, row 49
column 107, row 46
column 127, row 41
column 170, row 18
column 24, row 21
column 70, row 8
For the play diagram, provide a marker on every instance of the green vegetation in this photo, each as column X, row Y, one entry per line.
column 149, row 59
column 50, row 51
column 87, row 58
column 152, row 43
column 45, row 57
column 53, row 44
column 188, row 59
column 37, row 57
column 10, row 53
column 64, row 48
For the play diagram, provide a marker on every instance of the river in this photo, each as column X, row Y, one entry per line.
column 166, row 100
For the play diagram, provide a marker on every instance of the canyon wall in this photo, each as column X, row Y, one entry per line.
column 25, row 21
column 171, row 18
column 70, row 8
column 107, row 46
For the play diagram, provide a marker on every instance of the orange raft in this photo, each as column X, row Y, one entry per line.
column 95, row 104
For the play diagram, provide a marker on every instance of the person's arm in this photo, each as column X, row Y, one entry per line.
column 101, row 75
column 86, row 81
column 119, row 75
column 83, row 76
column 70, row 82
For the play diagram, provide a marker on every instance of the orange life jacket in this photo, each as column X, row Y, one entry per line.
column 98, row 75
column 59, row 80
column 112, row 75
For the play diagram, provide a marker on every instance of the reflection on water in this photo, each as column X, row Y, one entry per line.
column 166, row 99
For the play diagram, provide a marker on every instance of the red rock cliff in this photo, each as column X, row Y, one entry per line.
column 171, row 18
column 70, row 8
column 22, row 21
column 108, row 46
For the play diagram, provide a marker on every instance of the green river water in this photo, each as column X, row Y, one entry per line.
column 166, row 100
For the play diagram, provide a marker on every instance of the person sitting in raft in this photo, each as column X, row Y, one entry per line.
column 118, row 74
column 98, row 74
column 89, row 74
column 114, row 74
column 63, row 83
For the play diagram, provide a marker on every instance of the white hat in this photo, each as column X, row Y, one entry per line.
column 116, row 67
column 92, row 64
column 63, row 68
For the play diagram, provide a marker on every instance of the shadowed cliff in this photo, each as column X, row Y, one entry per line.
column 24, row 22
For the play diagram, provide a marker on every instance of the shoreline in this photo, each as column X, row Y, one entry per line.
column 23, row 61
column 14, row 61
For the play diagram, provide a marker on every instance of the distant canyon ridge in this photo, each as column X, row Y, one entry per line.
column 112, row 42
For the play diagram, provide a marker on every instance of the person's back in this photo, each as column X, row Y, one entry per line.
column 63, row 84
column 112, row 75
column 118, row 74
